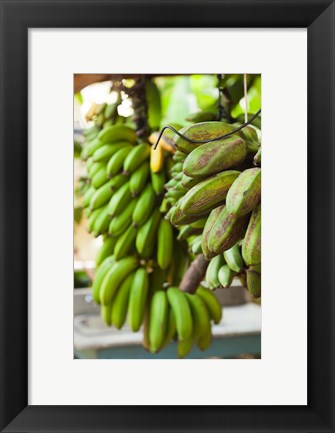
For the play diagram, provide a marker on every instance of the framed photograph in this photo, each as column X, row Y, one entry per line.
column 141, row 144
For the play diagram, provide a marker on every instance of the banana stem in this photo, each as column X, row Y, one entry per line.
column 194, row 274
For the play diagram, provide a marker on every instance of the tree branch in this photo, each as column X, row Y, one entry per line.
column 194, row 274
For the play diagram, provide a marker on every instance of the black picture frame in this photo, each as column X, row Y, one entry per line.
column 16, row 18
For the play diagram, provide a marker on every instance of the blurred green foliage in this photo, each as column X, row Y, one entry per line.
column 184, row 95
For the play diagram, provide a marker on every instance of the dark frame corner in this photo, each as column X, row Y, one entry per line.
column 17, row 17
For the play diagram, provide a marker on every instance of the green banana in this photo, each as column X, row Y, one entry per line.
column 146, row 324
column 184, row 347
column 211, row 302
column 138, row 179
column 178, row 217
column 106, row 314
column 157, row 279
column 100, row 178
column 251, row 246
column 115, row 164
column 125, row 243
column 117, row 181
column 117, row 133
column 213, row 270
column 214, row 157
column 182, row 312
column 205, row 341
column 254, row 281
column 121, row 222
column 257, row 122
column 135, row 157
column 154, row 105
column 137, row 299
column 146, row 236
column 119, row 200
column 196, row 247
column 187, row 230
column 206, row 232
column 120, row 303
column 200, row 316
column 144, row 206
column 91, row 219
column 106, row 250
column 179, row 156
column 258, row 157
column 201, row 131
column 199, row 224
column 245, row 193
column 105, row 152
column 170, row 329
column 225, row 276
column 87, row 196
column 234, row 259
column 179, row 265
column 114, row 277
column 91, row 147
column 201, row 116
column 93, row 130
column 99, row 275
column 95, row 167
column 89, row 164
column 171, row 184
column 208, row 193
column 164, row 244
column 157, row 182
column 226, row 231
column 250, row 135
column 101, row 223
column 101, row 196
column 159, row 309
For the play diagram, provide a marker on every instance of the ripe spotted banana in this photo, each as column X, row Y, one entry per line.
column 201, row 131
column 226, row 231
column 208, row 193
column 214, row 157
column 245, row 193
column 251, row 246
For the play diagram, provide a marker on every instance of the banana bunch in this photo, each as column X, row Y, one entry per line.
column 140, row 253
column 214, row 199
column 173, row 314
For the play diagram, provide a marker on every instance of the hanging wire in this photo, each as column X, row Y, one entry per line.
column 220, row 137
